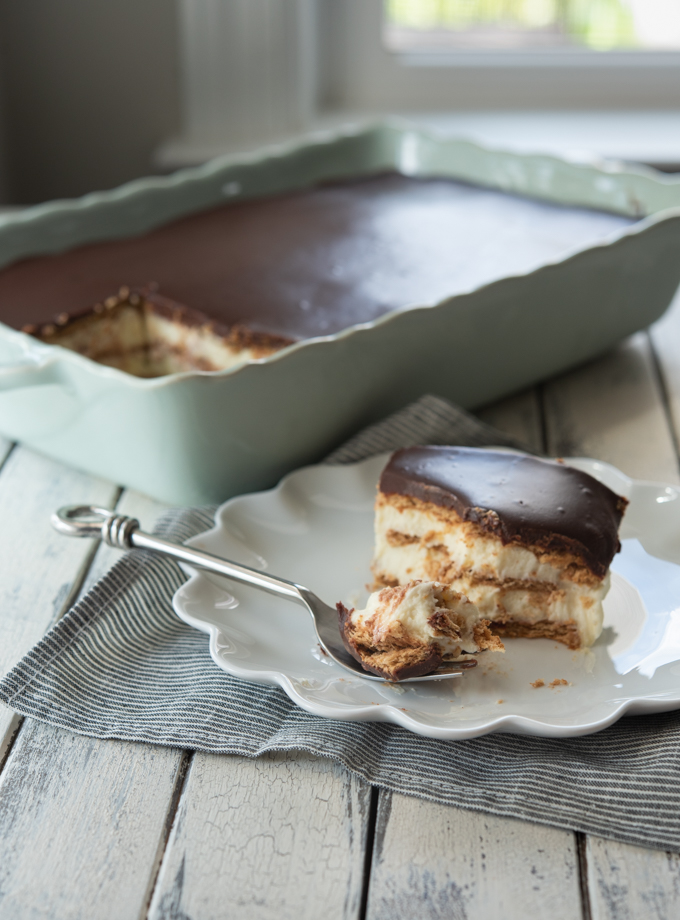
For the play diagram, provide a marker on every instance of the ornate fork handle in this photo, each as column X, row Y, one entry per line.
column 123, row 532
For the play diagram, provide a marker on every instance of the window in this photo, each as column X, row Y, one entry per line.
column 598, row 25
column 437, row 55
column 257, row 70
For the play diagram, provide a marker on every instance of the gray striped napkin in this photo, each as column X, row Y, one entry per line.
column 121, row 665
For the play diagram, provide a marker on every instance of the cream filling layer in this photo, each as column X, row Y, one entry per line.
column 182, row 347
column 139, row 341
column 410, row 616
column 504, row 582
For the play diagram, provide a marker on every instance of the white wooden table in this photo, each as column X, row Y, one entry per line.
column 104, row 829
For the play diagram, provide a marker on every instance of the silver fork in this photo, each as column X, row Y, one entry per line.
column 123, row 532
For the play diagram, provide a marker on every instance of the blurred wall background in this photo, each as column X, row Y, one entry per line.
column 88, row 90
column 96, row 92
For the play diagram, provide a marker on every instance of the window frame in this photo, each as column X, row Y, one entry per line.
column 363, row 75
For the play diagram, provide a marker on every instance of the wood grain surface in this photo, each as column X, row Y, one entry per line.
column 613, row 409
column 627, row 883
column 40, row 569
column 283, row 836
column 83, row 823
column 665, row 337
column 75, row 846
column 519, row 417
column 452, row 864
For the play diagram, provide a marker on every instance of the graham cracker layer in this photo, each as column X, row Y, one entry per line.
column 148, row 335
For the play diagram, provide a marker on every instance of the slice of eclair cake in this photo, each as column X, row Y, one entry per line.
column 528, row 541
column 411, row 629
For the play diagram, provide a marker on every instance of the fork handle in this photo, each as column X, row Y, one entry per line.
column 123, row 532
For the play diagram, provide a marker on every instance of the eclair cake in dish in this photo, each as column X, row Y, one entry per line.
column 528, row 541
column 240, row 281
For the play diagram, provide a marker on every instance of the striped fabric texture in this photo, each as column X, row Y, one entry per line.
column 121, row 665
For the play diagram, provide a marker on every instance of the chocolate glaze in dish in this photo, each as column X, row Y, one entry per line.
column 315, row 261
column 519, row 498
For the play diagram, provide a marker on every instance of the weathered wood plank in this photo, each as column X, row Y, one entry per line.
column 612, row 409
column 631, row 883
column 451, row 864
column 665, row 336
column 38, row 568
column 72, row 846
column 518, row 416
column 100, row 810
column 277, row 837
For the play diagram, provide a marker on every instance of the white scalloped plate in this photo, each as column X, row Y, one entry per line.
column 316, row 528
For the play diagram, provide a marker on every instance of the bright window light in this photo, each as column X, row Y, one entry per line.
column 598, row 25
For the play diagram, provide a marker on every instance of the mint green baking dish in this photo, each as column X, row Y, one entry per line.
column 201, row 437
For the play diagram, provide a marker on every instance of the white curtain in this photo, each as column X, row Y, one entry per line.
column 247, row 68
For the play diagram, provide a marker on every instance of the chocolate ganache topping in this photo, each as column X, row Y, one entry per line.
column 519, row 498
column 313, row 261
